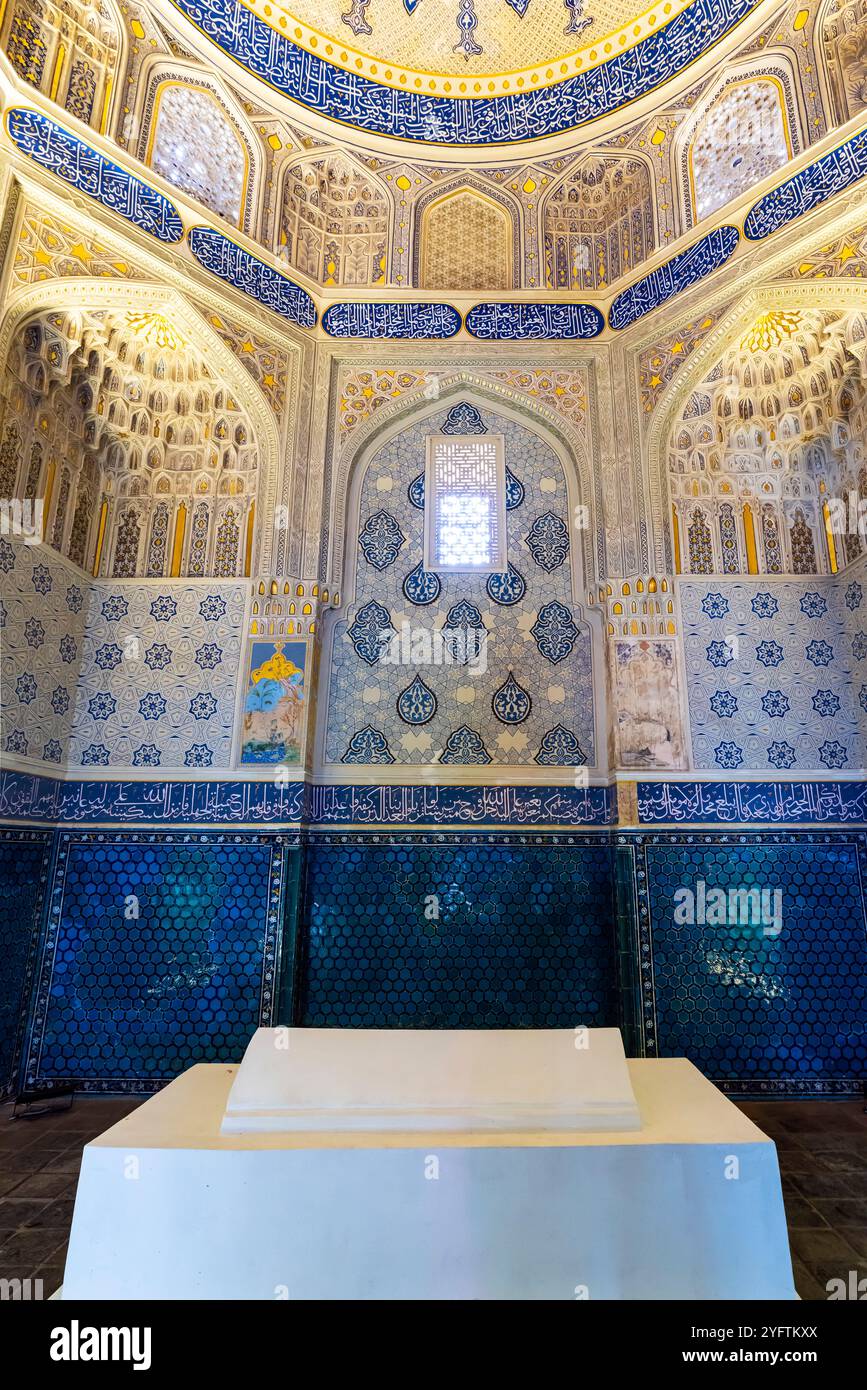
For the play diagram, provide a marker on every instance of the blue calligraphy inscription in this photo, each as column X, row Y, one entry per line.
column 534, row 321
column 229, row 261
column 808, row 188
column 91, row 173
column 683, row 270
column 358, row 101
column 752, row 803
column 24, row 797
column 391, row 321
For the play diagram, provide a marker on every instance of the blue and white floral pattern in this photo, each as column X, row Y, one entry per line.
column 560, row 748
column 212, row 608
column 152, row 705
column 511, row 703
column 548, row 541
column 555, row 632
column 466, row 747
column 114, row 607
column 146, row 755
column 381, row 539
column 781, row 755
column 368, row 746
column 826, row 703
column 724, row 704
column 422, row 586
column 854, row 595
column 101, row 706
column 719, row 654
column 833, row 754
column 26, row 688
column 821, row 653
column 515, row 491
column 769, row 653
column 464, row 633
column 507, row 588
column 42, row 581
column 714, row 605
column 163, row 608
column 813, row 605
column 208, row 656
column 203, row 705
column 775, row 704
column 371, row 632
column 764, row 605
column 417, row 704
column 199, row 755
column 464, row 418
column 728, row 754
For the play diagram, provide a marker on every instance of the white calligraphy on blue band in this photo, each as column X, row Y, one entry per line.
column 534, row 321
column 372, row 106
column 225, row 258
column 683, row 270
column 808, row 188
column 391, row 321
column 90, row 172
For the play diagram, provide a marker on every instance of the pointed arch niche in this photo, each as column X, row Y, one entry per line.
column 466, row 239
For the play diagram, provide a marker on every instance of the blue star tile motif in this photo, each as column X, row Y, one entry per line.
column 826, row 703
column 507, row 588
column 560, row 748
column 728, row 754
column 208, row 656
column 52, row 751
column 198, row 755
column 833, row 754
column 16, row 742
column 74, row 598
column 813, row 605
column 368, row 745
column 7, row 556
column 203, row 705
column 109, row 656
column 422, row 586
column 781, row 755
column 42, row 581
column 101, row 706
column 854, row 595
column 719, row 654
column 68, row 647
column 764, row 605
column 465, row 747
column 34, row 633
column 415, row 492
column 859, row 646
column 26, row 688
column 212, row 607
column 158, row 656
column 714, row 605
column 862, row 697
column 60, row 699
column 820, row 653
column 723, row 704
column 95, row 755
column 152, row 705
column 115, row 607
column 380, row 539
column 775, row 703
column 371, row 631
column 548, row 541
column 555, row 632
column 769, row 653
column 146, row 755
column 163, row 608
column 511, row 703
column 416, row 704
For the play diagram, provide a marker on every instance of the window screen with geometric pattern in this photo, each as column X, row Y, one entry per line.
column 465, row 513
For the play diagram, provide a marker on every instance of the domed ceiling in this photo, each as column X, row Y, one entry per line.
column 471, row 73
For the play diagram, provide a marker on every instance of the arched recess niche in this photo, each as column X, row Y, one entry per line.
column 136, row 298
column 413, row 413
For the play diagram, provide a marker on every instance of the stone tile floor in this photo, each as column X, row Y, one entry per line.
column 822, row 1148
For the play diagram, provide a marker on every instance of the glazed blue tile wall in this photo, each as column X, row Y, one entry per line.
column 129, row 997
column 23, row 865
column 524, row 936
column 759, row 1013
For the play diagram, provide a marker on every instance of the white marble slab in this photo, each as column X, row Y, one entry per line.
column 431, row 1080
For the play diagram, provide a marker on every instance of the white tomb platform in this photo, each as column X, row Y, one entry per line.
column 688, row 1206
column 431, row 1080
